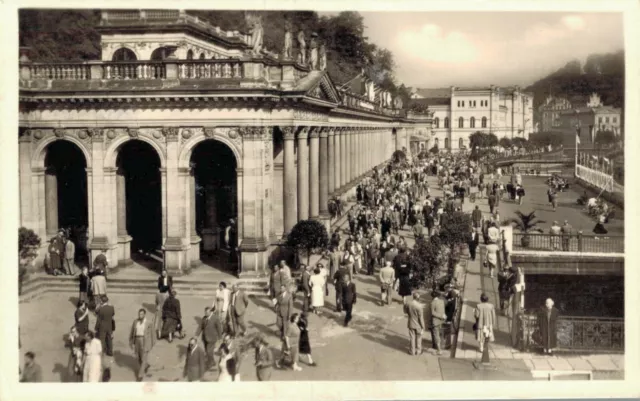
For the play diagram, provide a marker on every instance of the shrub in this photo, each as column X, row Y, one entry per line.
column 398, row 157
column 309, row 236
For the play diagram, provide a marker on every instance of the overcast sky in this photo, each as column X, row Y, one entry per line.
column 440, row 49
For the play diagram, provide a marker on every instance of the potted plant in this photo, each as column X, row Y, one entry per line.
column 525, row 223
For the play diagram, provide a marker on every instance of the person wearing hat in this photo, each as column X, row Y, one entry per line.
column 172, row 316
column 105, row 325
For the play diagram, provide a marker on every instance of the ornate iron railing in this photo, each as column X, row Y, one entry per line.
column 574, row 333
column 568, row 243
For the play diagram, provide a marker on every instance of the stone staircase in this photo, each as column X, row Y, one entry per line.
column 39, row 285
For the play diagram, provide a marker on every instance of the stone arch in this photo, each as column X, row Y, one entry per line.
column 111, row 153
column 114, row 50
column 189, row 145
column 40, row 152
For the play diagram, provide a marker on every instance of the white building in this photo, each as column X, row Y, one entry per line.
column 459, row 112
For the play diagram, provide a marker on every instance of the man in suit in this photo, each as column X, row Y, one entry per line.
column 437, row 319
column 32, row 372
column 349, row 298
column 387, row 278
column 141, row 340
column 338, row 278
column 237, row 308
column 334, row 261
column 211, row 331
column 69, row 256
column 264, row 359
column 165, row 282
column 415, row 324
column 280, row 280
column 306, row 289
column 566, row 235
column 105, row 325
column 473, row 243
column 476, row 217
column 284, row 309
column 195, row 365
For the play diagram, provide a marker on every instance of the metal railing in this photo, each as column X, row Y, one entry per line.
column 568, row 243
column 574, row 333
column 594, row 177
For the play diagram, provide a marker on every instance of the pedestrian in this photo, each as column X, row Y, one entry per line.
column 306, row 287
column 284, row 310
column 338, row 279
column 405, row 289
column 76, row 343
column 105, row 325
column 233, row 366
column 547, row 324
column 211, row 333
column 486, row 321
column 32, row 372
column 473, row 242
column 387, row 279
column 56, row 253
column 161, row 297
column 520, row 194
column 566, row 235
column 506, row 280
column 195, row 363
column 171, row 317
column 84, row 285
column 415, row 324
column 316, row 284
column 141, row 340
column 239, row 303
column 165, row 282
column 304, row 344
column 264, row 359
column 221, row 304
column 349, row 298
column 81, row 317
column 92, row 368
column 290, row 344
column 69, row 256
column 437, row 319
column 98, row 288
column 555, row 231
column 226, row 367
column 491, row 256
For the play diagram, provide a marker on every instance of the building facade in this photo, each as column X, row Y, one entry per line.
column 182, row 130
column 549, row 112
column 459, row 112
column 587, row 121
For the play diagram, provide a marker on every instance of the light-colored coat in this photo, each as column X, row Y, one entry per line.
column 485, row 315
column 415, row 312
column 149, row 335
column 92, row 370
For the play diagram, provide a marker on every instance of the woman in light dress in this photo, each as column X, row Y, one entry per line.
column 92, row 371
column 227, row 366
column 221, row 303
column 317, row 282
column 486, row 321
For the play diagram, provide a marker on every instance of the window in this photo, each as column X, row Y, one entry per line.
column 484, row 122
column 436, row 122
column 190, row 55
column 124, row 54
column 446, row 143
column 437, row 142
column 472, row 122
column 160, row 53
column 461, row 143
column 606, row 120
column 201, row 56
column 463, row 103
column 600, row 120
column 446, row 122
column 461, row 122
column 615, row 120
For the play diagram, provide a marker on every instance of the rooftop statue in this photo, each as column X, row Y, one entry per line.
column 255, row 22
column 323, row 57
column 302, row 48
column 313, row 51
column 288, row 41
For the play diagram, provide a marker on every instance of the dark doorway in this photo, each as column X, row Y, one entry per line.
column 69, row 164
column 215, row 173
column 141, row 167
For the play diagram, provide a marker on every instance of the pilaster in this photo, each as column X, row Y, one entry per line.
column 314, row 172
column 303, row 174
column 290, row 204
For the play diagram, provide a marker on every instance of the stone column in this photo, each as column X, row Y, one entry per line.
column 344, row 157
column 337, row 171
column 51, row 201
column 331, row 161
column 124, row 240
column 353, row 152
column 289, row 197
column 324, row 178
column 176, row 188
column 358, row 152
column 195, row 239
column 303, row 174
column 314, row 173
column 211, row 231
column 27, row 214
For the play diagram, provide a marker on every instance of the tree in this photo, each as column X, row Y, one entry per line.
column 478, row 140
column 525, row 223
column 434, row 150
column 605, row 138
column 519, row 142
column 309, row 236
column 505, row 142
column 455, row 230
column 398, row 157
column 28, row 245
column 425, row 261
column 492, row 140
column 544, row 139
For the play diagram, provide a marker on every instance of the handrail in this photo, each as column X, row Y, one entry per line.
column 568, row 242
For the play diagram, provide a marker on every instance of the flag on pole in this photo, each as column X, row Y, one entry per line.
column 606, row 160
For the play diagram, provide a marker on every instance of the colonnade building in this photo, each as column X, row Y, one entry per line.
column 183, row 129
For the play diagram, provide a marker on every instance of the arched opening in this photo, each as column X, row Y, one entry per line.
column 484, row 122
column 139, row 188
column 66, row 205
column 124, row 54
column 472, row 122
column 215, row 192
column 202, row 56
column 436, row 122
column 446, row 122
column 190, row 55
column 461, row 143
column 161, row 53
column 460, row 122
column 446, row 143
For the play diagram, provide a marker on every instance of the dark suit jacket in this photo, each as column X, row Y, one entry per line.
column 195, row 364
column 264, row 358
column 348, row 293
column 211, row 329
column 241, row 302
column 474, row 240
column 161, row 287
column 284, row 307
column 306, row 276
column 104, row 319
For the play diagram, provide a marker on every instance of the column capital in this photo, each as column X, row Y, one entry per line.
column 303, row 133
column 288, row 132
column 314, row 132
column 170, row 133
column 254, row 133
column 331, row 131
column 110, row 170
column 324, row 132
column 24, row 135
